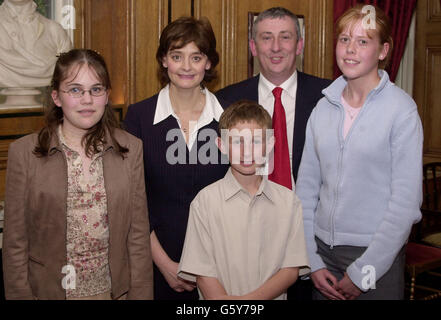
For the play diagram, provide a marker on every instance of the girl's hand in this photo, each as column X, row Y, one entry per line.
column 326, row 283
column 347, row 288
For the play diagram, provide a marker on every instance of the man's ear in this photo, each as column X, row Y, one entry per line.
column 253, row 47
column 300, row 45
column 221, row 146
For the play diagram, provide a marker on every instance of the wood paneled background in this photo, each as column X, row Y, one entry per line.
column 427, row 84
column 126, row 33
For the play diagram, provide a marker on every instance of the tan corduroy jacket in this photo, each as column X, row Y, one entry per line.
column 34, row 243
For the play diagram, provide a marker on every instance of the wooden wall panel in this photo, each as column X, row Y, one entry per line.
column 180, row 8
column 432, row 105
column 150, row 17
column 108, row 32
column 127, row 33
column 15, row 123
column 427, row 83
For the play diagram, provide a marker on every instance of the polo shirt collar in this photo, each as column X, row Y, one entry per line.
column 288, row 86
column 232, row 187
column 57, row 140
column 164, row 109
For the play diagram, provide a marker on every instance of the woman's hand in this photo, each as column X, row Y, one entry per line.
column 168, row 267
column 326, row 283
column 170, row 273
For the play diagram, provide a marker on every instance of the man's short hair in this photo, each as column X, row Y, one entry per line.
column 245, row 111
column 276, row 13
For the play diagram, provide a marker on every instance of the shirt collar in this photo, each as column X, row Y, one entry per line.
column 335, row 90
column 164, row 109
column 232, row 187
column 288, row 86
column 57, row 141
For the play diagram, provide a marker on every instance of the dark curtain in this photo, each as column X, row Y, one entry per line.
column 400, row 14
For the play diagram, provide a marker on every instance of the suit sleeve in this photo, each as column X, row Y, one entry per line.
column 140, row 257
column 132, row 121
column 15, row 237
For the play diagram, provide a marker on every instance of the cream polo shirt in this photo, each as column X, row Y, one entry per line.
column 243, row 240
column 212, row 110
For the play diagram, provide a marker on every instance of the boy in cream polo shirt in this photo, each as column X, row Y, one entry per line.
column 244, row 236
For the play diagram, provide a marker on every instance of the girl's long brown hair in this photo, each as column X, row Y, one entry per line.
column 96, row 135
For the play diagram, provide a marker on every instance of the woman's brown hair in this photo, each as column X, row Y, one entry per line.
column 181, row 32
column 96, row 135
column 382, row 27
column 245, row 111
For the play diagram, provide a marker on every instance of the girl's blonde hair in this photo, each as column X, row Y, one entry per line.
column 382, row 27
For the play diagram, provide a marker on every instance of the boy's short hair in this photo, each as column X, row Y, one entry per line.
column 245, row 111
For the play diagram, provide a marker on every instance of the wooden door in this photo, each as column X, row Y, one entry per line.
column 427, row 84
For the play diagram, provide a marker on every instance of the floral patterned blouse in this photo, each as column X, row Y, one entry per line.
column 87, row 225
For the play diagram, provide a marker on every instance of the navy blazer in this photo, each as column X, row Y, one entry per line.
column 309, row 92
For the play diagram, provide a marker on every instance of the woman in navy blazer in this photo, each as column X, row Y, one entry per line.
column 178, row 127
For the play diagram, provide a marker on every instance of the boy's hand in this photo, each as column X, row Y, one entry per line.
column 326, row 283
column 347, row 288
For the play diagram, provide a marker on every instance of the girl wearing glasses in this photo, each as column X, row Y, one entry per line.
column 76, row 222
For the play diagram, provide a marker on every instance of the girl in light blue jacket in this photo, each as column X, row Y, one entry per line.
column 360, row 179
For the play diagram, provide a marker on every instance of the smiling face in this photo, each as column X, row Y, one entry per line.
column 186, row 66
column 80, row 114
column 359, row 53
column 246, row 148
column 276, row 46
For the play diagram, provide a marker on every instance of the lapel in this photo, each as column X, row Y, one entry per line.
column 116, row 180
column 253, row 93
column 301, row 117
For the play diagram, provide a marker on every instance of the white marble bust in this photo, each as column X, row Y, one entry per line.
column 29, row 45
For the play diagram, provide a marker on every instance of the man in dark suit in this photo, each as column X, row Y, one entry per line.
column 276, row 42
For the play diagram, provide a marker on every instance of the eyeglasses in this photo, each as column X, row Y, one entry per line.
column 77, row 92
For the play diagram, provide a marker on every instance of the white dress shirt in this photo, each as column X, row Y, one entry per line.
column 212, row 110
column 266, row 99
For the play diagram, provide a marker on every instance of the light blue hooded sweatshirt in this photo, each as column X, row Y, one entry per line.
column 364, row 190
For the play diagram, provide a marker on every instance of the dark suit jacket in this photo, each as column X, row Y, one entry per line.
column 309, row 92
column 34, row 243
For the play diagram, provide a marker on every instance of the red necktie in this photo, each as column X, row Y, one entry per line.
column 282, row 168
